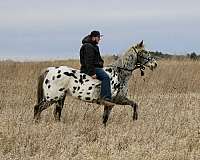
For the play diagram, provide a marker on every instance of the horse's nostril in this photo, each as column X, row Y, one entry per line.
column 156, row 65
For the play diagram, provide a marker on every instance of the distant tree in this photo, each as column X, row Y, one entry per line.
column 193, row 56
column 115, row 57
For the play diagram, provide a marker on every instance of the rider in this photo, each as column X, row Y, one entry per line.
column 92, row 63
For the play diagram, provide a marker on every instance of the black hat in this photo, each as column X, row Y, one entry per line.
column 95, row 34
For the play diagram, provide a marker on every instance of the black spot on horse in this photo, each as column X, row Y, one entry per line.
column 112, row 82
column 66, row 90
column 87, row 98
column 56, row 67
column 88, row 93
column 73, row 71
column 76, row 81
column 114, row 74
column 78, row 88
column 81, row 79
column 46, row 81
column 49, row 86
column 58, row 76
column 109, row 70
column 84, row 76
column 74, row 88
column 61, row 89
column 73, row 91
column 89, row 88
column 51, row 99
column 79, row 97
column 70, row 74
column 80, row 92
column 48, row 97
column 56, row 97
column 53, row 78
column 116, row 86
column 87, row 80
column 98, row 85
column 59, row 71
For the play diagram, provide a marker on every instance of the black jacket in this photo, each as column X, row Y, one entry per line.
column 90, row 57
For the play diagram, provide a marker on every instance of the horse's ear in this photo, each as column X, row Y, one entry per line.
column 141, row 44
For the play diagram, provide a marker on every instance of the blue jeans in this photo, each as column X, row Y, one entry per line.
column 105, row 83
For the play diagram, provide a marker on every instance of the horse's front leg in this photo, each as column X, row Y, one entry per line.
column 134, row 105
column 106, row 113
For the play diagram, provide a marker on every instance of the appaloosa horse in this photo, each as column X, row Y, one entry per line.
column 57, row 82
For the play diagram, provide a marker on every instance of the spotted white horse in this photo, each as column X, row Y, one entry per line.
column 57, row 82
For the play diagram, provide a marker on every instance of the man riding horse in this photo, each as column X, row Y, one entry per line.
column 55, row 83
column 92, row 64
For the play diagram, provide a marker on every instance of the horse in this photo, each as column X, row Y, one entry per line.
column 55, row 83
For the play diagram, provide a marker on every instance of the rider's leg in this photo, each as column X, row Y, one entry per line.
column 105, row 84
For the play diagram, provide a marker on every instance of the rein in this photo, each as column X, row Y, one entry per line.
column 142, row 68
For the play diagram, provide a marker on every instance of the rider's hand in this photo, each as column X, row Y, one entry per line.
column 94, row 76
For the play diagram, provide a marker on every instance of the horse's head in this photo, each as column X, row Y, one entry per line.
column 136, row 57
column 144, row 57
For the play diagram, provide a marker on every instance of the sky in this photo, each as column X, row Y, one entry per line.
column 53, row 29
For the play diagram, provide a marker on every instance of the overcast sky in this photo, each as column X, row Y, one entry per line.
column 54, row 28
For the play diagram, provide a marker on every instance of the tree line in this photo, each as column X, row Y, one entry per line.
column 192, row 56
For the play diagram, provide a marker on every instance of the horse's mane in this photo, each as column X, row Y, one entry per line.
column 124, row 58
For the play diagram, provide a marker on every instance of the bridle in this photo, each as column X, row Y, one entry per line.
column 139, row 65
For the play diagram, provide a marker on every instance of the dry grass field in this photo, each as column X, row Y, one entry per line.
column 168, row 127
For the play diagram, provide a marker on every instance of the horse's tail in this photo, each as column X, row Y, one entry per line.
column 40, row 91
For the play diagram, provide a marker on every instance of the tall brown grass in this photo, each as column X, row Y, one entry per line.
column 168, row 126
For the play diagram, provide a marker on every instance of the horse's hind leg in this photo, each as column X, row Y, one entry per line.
column 58, row 109
column 107, row 110
column 39, row 108
column 135, row 113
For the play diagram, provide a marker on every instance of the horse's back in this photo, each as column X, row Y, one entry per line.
column 64, row 79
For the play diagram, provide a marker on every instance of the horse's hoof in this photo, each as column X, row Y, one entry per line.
column 104, row 124
column 57, row 120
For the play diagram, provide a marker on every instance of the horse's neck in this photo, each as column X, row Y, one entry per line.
column 126, row 61
column 123, row 67
column 123, row 77
column 122, row 81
